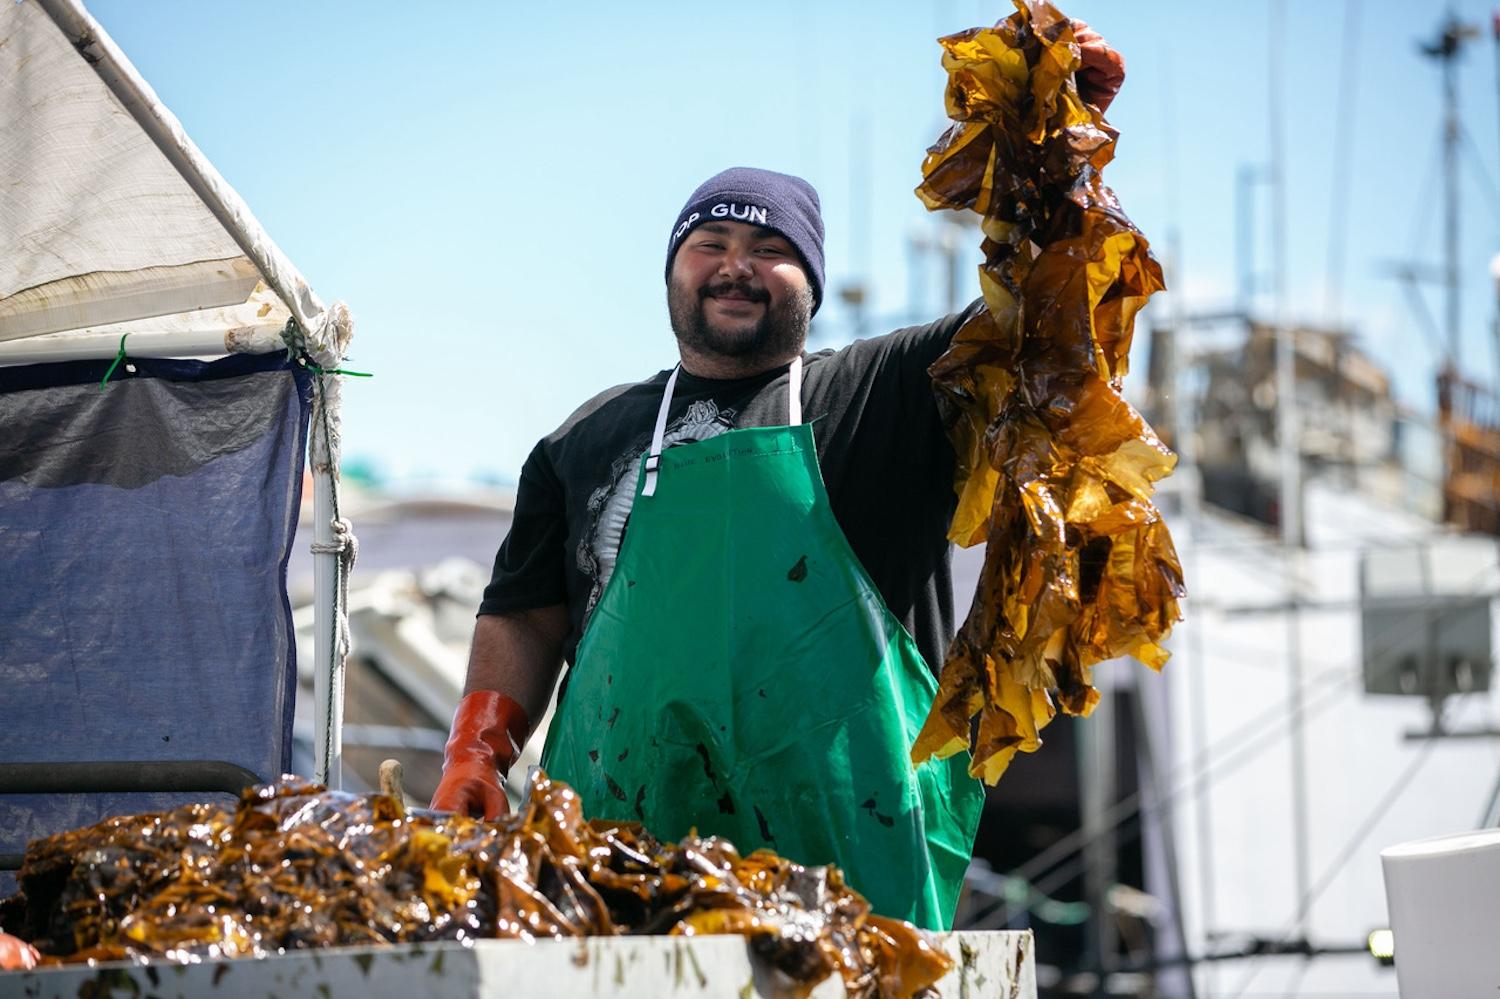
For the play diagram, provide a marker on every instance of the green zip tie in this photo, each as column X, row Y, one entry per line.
column 119, row 356
column 296, row 347
column 310, row 366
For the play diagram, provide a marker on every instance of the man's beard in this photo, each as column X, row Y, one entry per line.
column 780, row 333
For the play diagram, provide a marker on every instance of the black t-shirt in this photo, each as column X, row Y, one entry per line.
column 885, row 457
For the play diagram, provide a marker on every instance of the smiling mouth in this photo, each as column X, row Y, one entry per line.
column 748, row 296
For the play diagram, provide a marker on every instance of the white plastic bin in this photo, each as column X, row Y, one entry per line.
column 1443, row 895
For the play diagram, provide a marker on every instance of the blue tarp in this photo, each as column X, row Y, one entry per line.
column 144, row 536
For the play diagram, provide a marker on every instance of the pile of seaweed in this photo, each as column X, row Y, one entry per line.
column 1055, row 469
column 295, row 866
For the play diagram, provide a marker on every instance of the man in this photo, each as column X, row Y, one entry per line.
column 751, row 658
column 767, row 684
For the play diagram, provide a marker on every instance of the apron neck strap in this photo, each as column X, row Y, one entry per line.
column 658, row 435
column 794, row 393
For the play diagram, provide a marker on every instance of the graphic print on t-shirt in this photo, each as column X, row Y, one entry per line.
column 609, row 505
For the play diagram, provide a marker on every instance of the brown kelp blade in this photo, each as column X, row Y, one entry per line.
column 298, row 866
column 1055, row 469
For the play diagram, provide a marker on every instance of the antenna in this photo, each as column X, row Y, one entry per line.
column 1446, row 49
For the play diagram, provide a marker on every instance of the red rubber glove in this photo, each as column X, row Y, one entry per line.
column 1103, row 69
column 16, row 954
column 488, row 732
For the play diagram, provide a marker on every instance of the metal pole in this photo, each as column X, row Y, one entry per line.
column 122, row 776
column 1495, row 320
column 1287, row 431
column 951, row 246
column 1446, row 49
column 1342, row 151
column 1191, row 484
column 1451, row 137
column 330, row 620
column 1244, row 231
column 860, row 146
column 182, row 343
column 1096, row 760
column 328, row 688
column 1495, row 34
column 917, row 245
column 1159, row 809
column 1288, row 436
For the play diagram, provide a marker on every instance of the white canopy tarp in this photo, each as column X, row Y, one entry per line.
column 110, row 218
column 113, row 225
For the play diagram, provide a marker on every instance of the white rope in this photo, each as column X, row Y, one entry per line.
column 346, row 546
column 323, row 452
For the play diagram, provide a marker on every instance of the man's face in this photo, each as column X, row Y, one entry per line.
column 739, row 291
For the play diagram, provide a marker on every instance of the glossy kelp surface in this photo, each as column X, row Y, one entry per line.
column 297, row 866
column 1055, row 469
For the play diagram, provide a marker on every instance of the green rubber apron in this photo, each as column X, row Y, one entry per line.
column 742, row 676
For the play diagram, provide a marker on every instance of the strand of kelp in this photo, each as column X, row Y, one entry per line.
column 296, row 866
column 1055, row 469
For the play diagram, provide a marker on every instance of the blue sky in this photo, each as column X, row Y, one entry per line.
column 490, row 185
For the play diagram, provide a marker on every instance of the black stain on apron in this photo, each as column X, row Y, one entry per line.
column 726, row 804
column 623, row 753
column 761, row 692
column 798, row 572
column 708, row 766
column 869, row 806
column 593, row 755
column 614, row 788
column 614, row 717
column 640, row 799
column 765, row 829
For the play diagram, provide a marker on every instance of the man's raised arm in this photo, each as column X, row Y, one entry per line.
column 513, row 666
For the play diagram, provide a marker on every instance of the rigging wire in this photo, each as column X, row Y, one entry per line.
column 1244, row 746
column 1183, row 442
column 1416, row 232
column 1495, row 34
column 1476, row 162
column 1226, row 765
column 1481, row 172
column 1002, row 914
column 1121, row 821
column 1346, row 852
column 1047, row 872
